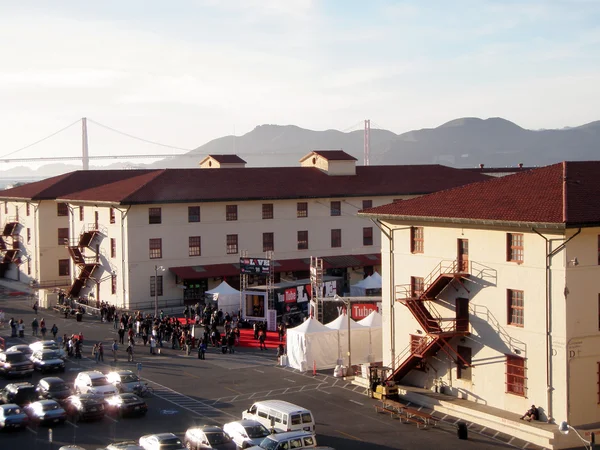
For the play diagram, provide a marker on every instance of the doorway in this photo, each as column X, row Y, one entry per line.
column 463, row 255
column 462, row 314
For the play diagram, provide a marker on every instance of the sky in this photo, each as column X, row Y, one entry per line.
column 184, row 72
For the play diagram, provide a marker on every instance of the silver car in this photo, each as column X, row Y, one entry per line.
column 246, row 433
column 123, row 380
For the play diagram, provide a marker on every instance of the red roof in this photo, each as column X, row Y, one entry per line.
column 565, row 193
column 228, row 159
column 334, row 155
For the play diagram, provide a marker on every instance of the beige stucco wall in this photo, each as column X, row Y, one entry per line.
column 331, row 167
column 491, row 337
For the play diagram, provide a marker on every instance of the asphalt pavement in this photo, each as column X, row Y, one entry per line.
column 189, row 392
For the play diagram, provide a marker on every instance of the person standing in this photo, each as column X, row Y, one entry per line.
column 54, row 331
column 100, row 352
column 261, row 340
column 114, row 349
column 122, row 336
column 201, row 349
column 34, row 327
column 152, row 344
column 43, row 328
column 130, row 353
column 35, row 308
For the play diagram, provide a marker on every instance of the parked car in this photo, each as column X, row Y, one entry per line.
column 161, row 441
column 85, row 407
column 47, row 360
column 93, row 382
column 12, row 416
column 46, row 412
column 208, row 436
column 23, row 348
column 15, row 363
column 125, row 445
column 48, row 345
column 20, row 393
column 289, row 440
column 125, row 405
column 124, row 380
column 246, row 433
column 53, row 388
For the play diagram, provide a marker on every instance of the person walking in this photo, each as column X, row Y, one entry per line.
column 95, row 352
column 130, row 353
column 114, row 349
column 152, row 344
column 43, row 328
column 100, row 352
column 201, row 349
column 34, row 327
column 54, row 331
column 35, row 308
column 21, row 328
column 261, row 340
column 13, row 327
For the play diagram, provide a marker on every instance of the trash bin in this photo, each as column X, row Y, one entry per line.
column 79, row 317
column 462, row 431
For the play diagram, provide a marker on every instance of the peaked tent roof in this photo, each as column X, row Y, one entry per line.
column 373, row 320
column 563, row 194
column 310, row 325
column 341, row 323
column 224, row 289
column 371, row 282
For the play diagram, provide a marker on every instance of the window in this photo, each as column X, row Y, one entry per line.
column 268, row 242
column 63, row 236
column 417, row 286
column 27, row 208
column 28, row 267
column 302, row 240
column 335, row 208
column 63, row 268
column 154, row 215
column 231, row 212
column 514, row 247
column 62, row 209
column 515, row 375
column 368, row 236
column 81, row 214
column 29, row 235
column 463, row 364
column 417, row 243
column 113, row 248
column 232, row 244
column 367, row 204
column 156, row 288
column 267, row 211
column 193, row 214
column 194, row 246
column 112, row 215
column 302, row 209
column 336, row 238
column 516, row 306
column 113, row 284
column 155, row 248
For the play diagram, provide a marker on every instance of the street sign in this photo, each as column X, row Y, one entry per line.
column 139, row 367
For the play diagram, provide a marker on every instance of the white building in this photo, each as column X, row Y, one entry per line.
column 493, row 291
column 110, row 232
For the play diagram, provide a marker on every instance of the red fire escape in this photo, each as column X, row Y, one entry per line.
column 10, row 244
column 87, row 265
column 438, row 331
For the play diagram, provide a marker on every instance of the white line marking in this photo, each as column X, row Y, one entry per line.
column 72, row 424
column 358, row 403
column 291, row 381
column 259, row 371
column 31, row 430
column 111, row 418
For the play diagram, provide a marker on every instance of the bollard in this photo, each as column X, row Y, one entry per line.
column 462, row 431
column 314, row 368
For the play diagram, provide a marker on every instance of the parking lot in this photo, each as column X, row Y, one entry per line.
column 192, row 392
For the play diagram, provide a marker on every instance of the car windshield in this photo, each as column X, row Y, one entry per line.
column 257, row 431
column 268, row 444
column 129, row 399
column 170, row 443
column 15, row 357
column 50, row 406
column 101, row 381
column 131, row 378
column 11, row 411
column 217, row 438
column 46, row 356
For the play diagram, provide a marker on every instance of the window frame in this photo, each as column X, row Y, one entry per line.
column 417, row 240
column 515, row 303
column 336, row 238
column 515, row 247
column 64, row 267
column 192, row 216
column 231, row 213
column 366, row 204
column 63, row 240
column 302, row 240
column 155, row 248
column 111, row 215
column 335, row 208
column 268, row 242
column 113, row 247
column 301, row 210
column 113, row 284
column 62, row 209
column 81, row 214
column 268, row 211
column 367, row 236
column 27, row 209
column 154, row 216
column 516, row 372
column 29, row 235
column 159, row 286
column 232, row 244
column 417, row 286
column 194, row 246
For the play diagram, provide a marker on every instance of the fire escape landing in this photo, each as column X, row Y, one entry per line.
column 88, row 266
column 10, row 244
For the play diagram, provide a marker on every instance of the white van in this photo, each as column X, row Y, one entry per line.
column 281, row 415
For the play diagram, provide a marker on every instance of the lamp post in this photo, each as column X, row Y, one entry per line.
column 564, row 428
column 156, row 270
column 349, row 372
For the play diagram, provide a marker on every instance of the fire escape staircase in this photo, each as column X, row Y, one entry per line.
column 88, row 266
column 10, row 244
column 438, row 331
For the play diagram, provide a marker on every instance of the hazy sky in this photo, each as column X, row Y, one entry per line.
column 183, row 72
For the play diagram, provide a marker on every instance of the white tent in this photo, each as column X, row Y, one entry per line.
column 371, row 282
column 373, row 322
column 227, row 297
column 310, row 343
column 359, row 336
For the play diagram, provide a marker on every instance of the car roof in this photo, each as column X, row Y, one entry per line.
column 10, row 406
column 53, row 380
column 92, row 373
column 44, row 343
column 161, row 436
column 18, row 347
column 245, row 423
column 46, row 351
column 290, row 434
column 21, row 384
column 47, row 402
column 281, row 405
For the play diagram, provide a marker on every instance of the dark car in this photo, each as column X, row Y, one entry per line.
column 47, row 360
column 46, row 412
column 23, row 348
column 85, row 407
column 12, row 417
column 15, row 363
column 53, row 388
column 20, row 393
column 126, row 404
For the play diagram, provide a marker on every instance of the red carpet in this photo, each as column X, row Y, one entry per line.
column 247, row 338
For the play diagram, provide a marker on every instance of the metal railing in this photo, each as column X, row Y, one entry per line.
column 409, row 350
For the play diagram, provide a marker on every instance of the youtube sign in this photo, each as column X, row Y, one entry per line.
column 362, row 310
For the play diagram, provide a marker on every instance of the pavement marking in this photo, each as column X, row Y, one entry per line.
column 358, row 403
column 232, row 390
column 72, row 424
column 31, row 430
column 349, row 435
column 111, row 418
column 260, row 371
column 291, row 381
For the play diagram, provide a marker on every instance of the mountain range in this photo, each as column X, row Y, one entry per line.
column 465, row 142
